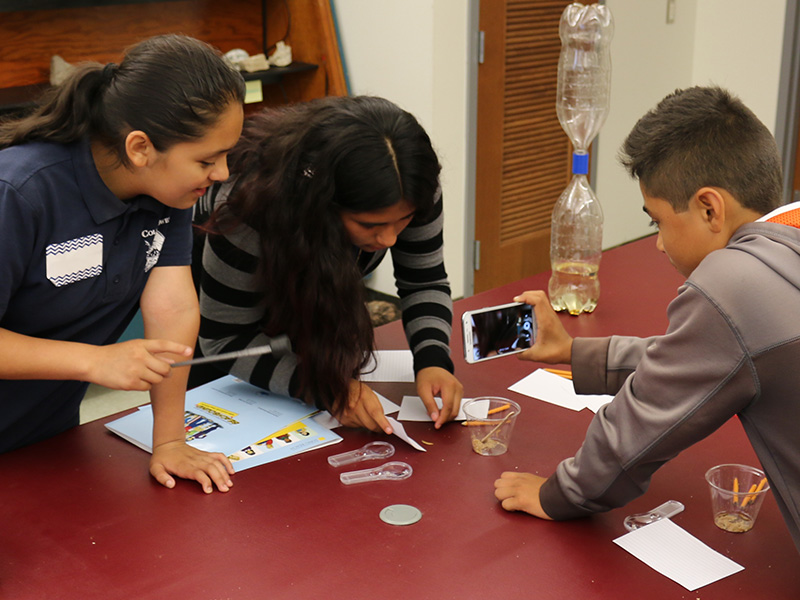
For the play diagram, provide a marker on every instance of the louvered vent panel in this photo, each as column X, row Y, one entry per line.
column 535, row 148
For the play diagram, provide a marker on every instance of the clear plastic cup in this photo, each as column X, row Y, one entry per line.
column 737, row 492
column 490, row 420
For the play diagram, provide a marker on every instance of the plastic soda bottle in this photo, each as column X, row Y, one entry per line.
column 582, row 102
column 576, row 244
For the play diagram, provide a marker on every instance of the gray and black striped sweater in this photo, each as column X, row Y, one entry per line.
column 232, row 311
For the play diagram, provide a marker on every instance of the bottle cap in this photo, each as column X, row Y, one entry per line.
column 400, row 514
column 580, row 163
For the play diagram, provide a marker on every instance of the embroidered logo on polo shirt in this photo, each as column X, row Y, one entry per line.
column 154, row 249
column 75, row 260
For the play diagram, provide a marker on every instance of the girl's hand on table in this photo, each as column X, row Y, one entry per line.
column 177, row 458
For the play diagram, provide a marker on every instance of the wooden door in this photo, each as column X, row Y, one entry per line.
column 523, row 155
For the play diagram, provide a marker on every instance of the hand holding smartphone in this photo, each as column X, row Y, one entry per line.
column 497, row 330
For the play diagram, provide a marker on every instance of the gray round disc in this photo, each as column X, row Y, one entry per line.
column 400, row 514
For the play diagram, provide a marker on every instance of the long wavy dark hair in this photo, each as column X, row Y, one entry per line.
column 172, row 87
column 298, row 168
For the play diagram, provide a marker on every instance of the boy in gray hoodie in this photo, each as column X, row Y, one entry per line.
column 710, row 176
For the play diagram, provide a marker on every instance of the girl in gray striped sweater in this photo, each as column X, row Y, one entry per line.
column 319, row 192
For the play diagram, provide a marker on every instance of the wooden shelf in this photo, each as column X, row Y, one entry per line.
column 103, row 31
column 275, row 74
column 16, row 100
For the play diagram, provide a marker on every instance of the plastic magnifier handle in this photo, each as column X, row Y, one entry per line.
column 391, row 471
column 371, row 451
column 670, row 508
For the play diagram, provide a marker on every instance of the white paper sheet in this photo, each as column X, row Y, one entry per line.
column 675, row 553
column 412, row 409
column 400, row 432
column 557, row 390
column 392, row 365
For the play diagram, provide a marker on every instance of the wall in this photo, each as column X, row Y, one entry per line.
column 415, row 53
column 736, row 44
column 649, row 59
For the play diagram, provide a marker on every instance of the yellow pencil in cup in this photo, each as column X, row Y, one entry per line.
column 736, row 490
column 489, row 412
column 747, row 496
column 751, row 497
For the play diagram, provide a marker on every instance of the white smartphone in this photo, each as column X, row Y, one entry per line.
column 497, row 331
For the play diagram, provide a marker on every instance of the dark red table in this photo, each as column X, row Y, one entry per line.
column 81, row 517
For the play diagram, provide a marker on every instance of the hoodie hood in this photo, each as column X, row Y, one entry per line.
column 775, row 245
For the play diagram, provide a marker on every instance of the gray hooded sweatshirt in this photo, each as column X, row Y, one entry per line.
column 732, row 348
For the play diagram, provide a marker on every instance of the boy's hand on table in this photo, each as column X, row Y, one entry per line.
column 520, row 491
column 435, row 381
column 553, row 344
column 177, row 458
column 364, row 409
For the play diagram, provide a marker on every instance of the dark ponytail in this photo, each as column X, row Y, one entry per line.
column 172, row 87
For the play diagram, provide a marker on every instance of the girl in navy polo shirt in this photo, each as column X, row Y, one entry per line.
column 96, row 190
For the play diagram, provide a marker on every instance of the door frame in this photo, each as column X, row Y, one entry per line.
column 473, row 58
column 787, row 127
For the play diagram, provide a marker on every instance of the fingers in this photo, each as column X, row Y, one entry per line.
column 370, row 412
column 426, row 395
column 167, row 346
column 364, row 409
column 520, row 491
column 215, row 473
column 208, row 469
column 432, row 381
column 533, row 297
column 383, row 423
column 552, row 344
column 160, row 474
column 451, row 402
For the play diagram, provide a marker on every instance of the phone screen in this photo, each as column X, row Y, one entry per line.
column 499, row 330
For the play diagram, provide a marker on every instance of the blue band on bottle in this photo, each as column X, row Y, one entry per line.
column 580, row 163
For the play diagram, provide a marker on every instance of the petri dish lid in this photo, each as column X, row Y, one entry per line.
column 400, row 514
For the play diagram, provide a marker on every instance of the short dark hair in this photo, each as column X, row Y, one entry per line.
column 704, row 136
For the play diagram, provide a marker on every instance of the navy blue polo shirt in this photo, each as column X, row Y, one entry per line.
column 74, row 260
